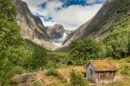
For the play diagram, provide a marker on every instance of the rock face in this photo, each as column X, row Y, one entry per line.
column 56, row 31
column 32, row 27
column 98, row 25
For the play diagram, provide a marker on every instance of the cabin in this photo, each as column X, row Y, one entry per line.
column 101, row 71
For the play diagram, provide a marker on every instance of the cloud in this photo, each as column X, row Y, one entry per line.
column 34, row 2
column 91, row 1
column 71, row 17
column 74, row 16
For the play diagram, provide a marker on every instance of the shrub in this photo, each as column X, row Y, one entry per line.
column 52, row 72
column 56, row 60
column 77, row 79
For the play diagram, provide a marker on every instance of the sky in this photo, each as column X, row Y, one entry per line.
column 70, row 13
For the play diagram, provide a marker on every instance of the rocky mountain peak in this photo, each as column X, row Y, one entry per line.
column 56, row 31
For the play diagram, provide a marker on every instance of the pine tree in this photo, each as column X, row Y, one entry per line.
column 10, row 41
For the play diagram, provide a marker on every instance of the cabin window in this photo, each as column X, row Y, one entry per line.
column 91, row 72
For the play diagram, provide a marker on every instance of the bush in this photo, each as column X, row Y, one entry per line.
column 56, row 60
column 52, row 72
column 77, row 79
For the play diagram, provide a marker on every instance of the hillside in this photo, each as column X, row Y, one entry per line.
column 62, row 79
column 102, row 22
column 32, row 28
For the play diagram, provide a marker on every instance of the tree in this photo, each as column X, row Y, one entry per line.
column 81, row 51
column 117, row 44
column 10, row 42
column 117, row 39
column 7, row 10
column 39, row 58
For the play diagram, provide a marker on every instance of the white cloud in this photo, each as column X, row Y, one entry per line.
column 74, row 16
column 90, row 1
column 54, row 4
column 71, row 17
column 34, row 2
column 49, row 23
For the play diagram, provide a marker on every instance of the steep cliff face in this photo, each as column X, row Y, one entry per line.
column 32, row 27
column 99, row 24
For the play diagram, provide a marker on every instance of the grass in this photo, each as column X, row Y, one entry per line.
column 123, row 74
column 60, row 76
column 124, row 67
column 118, row 83
column 57, row 84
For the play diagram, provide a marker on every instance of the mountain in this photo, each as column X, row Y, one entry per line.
column 101, row 22
column 33, row 29
column 29, row 24
column 56, row 31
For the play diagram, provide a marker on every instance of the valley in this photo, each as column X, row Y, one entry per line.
column 32, row 54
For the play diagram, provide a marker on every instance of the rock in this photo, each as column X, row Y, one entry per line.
column 31, row 25
column 56, row 31
column 15, row 79
column 23, row 80
column 27, row 77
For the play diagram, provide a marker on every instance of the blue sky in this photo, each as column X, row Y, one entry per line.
column 67, row 3
column 70, row 13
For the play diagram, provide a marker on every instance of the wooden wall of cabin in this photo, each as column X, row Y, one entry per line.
column 105, row 77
